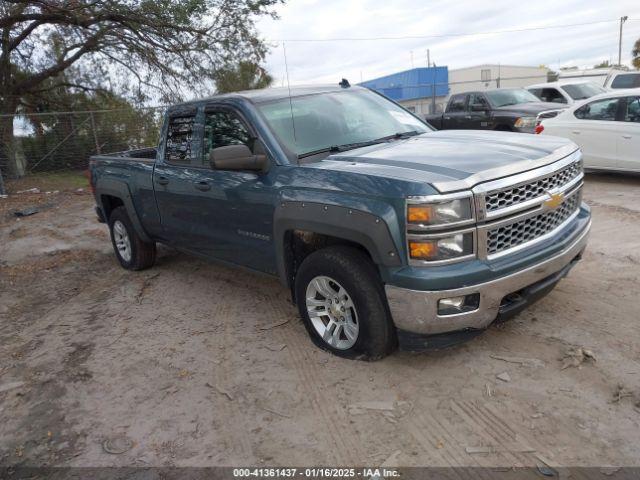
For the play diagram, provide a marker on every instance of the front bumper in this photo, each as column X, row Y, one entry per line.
column 416, row 311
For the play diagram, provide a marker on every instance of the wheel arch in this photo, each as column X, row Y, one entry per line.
column 111, row 194
column 300, row 228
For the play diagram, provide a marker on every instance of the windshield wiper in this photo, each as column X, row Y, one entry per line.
column 351, row 146
column 399, row 135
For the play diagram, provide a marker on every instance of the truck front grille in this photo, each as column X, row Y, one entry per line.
column 498, row 199
column 525, row 230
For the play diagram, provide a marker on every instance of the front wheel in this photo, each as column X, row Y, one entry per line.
column 341, row 301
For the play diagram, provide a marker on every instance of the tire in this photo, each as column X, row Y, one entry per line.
column 363, row 309
column 132, row 252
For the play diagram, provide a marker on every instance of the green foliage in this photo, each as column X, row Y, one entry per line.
column 604, row 64
column 635, row 53
column 244, row 75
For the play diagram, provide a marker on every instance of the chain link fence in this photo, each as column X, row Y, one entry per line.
column 55, row 141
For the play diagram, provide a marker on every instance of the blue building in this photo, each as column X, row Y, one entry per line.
column 414, row 88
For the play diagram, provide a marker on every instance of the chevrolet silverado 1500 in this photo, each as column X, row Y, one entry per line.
column 385, row 231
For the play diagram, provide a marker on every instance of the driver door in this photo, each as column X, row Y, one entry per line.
column 236, row 207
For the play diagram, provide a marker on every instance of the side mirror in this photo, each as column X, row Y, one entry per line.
column 237, row 157
column 478, row 107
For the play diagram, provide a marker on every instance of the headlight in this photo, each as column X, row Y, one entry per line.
column 439, row 211
column 525, row 122
column 441, row 248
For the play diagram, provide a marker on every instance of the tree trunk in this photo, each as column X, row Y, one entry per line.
column 8, row 159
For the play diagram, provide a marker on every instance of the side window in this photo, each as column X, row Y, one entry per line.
column 599, row 110
column 626, row 80
column 477, row 99
column 222, row 128
column 552, row 95
column 633, row 110
column 536, row 91
column 179, row 140
column 456, row 104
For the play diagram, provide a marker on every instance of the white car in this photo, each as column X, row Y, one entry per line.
column 567, row 92
column 606, row 127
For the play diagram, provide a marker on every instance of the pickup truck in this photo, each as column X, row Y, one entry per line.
column 386, row 232
column 506, row 109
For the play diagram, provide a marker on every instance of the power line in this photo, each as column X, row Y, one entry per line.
column 445, row 35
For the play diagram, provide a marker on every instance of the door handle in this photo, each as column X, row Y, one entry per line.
column 628, row 137
column 162, row 180
column 203, row 186
column 576, row 132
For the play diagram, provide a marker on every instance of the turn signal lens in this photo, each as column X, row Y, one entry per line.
column 423, row 250
column 419, row 213
column 451, row 247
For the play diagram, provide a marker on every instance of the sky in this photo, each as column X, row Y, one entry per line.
column 329, row 61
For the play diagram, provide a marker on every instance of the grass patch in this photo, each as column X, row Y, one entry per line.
column 49, row 181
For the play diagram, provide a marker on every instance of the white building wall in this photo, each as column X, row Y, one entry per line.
column 485, row 77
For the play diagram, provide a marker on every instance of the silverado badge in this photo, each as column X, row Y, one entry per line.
column 554, row 201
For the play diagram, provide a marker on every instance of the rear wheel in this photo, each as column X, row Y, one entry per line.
column 132, row 252
column 341, row 302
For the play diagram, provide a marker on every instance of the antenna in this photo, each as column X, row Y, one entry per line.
column 286, row 68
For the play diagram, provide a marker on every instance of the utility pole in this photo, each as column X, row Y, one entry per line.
column 428, row 58
column 433, row 90
column 622, row 20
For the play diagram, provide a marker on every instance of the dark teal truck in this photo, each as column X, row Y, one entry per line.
column 386, row 232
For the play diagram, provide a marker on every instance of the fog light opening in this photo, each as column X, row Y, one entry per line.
column 457, row 305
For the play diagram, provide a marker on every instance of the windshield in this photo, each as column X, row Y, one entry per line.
column 337, row 119
column 502, row 98
column 580, row 91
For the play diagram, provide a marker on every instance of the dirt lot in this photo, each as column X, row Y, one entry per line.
column 185, row 364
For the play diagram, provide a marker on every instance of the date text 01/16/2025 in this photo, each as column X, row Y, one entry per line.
column 316, row 472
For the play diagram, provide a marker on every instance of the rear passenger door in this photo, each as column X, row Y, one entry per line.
column 628, row 140
column 456, row 111
column 173, row 178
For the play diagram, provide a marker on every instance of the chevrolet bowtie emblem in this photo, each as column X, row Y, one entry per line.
column 554, row 201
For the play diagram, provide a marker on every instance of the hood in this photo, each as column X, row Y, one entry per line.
column 452, row 159
column 532, row 107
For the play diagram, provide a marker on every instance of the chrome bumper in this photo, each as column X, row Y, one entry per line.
column 417, row 311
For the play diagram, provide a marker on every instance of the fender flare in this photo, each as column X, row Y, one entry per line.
column 353, row 224
column 120, row 189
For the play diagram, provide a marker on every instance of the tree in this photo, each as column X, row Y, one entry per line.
column 636, row 54
column 245, row 75
column 158, row 49
column 604, row 64
column 102, row 121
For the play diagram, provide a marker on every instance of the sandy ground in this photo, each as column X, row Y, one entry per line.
column 183, row 364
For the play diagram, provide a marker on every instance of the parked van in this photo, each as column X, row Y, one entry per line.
column 606, row 77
